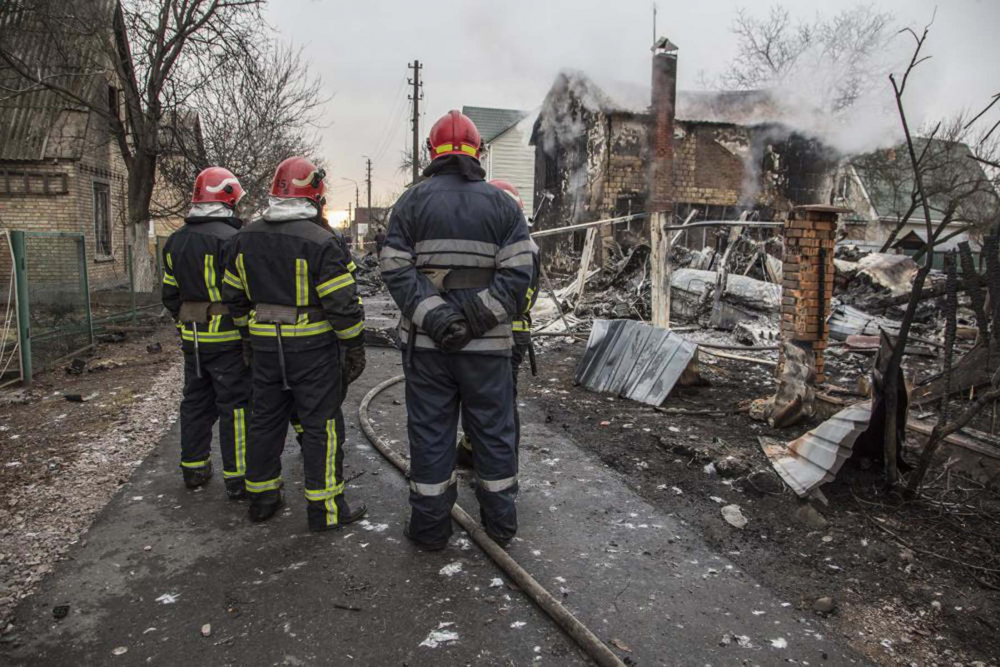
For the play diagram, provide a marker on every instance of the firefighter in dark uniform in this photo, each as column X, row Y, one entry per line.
column 288, row 274
column 457, row 261
column 352, row 268
column 216, row 379
column 521, row 327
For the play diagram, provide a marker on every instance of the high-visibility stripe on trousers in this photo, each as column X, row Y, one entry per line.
column 314, row 378
column 221, row 393
column 440, row 387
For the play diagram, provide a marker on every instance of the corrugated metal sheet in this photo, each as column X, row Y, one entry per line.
column 633, row 360
column 847, row 321
column 815, row 458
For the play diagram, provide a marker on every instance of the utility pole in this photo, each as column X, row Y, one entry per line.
column 350, row 224
column 415, row 97
column 369, row 179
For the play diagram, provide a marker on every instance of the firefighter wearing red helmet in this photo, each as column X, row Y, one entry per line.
column 521, row 327
column 290, row 276
column 216, row 379
column 457, row 260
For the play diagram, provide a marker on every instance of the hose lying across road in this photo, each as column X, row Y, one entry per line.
column 586, row 639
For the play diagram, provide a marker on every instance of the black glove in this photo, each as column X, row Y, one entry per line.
column 480, row 318
column 456, row 336
column 354, row 364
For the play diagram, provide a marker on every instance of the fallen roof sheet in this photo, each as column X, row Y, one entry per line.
column 815, row 458
column 633, row 360
column 847, row 321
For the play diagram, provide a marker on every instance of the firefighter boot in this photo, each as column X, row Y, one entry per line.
column 334, row 513
column 195, row 477
column 424, row 546
column 236, row 488
column 264, row 505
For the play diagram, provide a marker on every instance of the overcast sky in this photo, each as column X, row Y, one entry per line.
column 506, row 54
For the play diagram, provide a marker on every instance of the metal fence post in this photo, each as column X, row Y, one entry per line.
column 18, row 246
column 81, row 247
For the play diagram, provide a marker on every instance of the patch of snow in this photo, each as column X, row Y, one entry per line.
column 440, row 636
column 451, row 569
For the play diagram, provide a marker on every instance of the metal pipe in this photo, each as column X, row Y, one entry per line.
column 724, row 223
column 587, row 225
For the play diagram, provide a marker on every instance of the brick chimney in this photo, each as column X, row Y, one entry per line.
column 664, row 100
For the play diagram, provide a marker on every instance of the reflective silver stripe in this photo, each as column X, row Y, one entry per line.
column 453, row 259
column 438, row 489
column 491, row 344
column 426, row 306
column 498, row 485
column 456, row 245
column 515, row 249
column 524, row 259
column 494, row 305
column 392, row 259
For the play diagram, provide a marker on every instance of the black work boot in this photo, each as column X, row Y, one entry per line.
column 264, row 505
column 425, row 546
column 195, row 477
column 236, row 488
column 318, row 515
column 464, row 457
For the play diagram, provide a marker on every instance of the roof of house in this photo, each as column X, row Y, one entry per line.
column 41, row 123
column 492, row 122
column 887, row 177
column 736, row 107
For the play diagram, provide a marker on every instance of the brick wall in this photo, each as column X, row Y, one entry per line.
column 72, row 211
column 708, row 163
column 807, row 285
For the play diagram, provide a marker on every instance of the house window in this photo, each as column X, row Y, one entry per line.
column 102, row 219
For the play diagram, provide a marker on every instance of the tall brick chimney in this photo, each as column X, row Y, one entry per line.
column 664, row 100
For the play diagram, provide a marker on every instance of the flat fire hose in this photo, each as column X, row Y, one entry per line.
column 585, row 639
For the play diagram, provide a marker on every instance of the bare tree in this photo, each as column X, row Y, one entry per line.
column 157, row 54
column 250, row 120
column 406, row 160
column 846, row 49
column 924, row 180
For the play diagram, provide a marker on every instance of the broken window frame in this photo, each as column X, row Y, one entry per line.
column 101, row 210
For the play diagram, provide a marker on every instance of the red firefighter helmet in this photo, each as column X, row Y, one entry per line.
column 454, row 134
column 509, row 188
column 217, row 184
column 297, row 177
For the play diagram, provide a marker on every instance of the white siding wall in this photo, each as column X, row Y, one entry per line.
column 512, row 159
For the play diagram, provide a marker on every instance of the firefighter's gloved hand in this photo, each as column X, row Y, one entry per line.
column 456, row 336
column 247, row 352
column 354, row 364
column 479, row 317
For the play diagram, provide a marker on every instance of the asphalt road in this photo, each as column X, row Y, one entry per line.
column 161, row 562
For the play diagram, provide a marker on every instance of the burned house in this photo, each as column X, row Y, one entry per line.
column 595, row 145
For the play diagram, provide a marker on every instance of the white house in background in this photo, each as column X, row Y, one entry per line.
column 506, row 133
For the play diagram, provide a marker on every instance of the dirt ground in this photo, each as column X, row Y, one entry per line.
column 69, row 442
column 909, row 583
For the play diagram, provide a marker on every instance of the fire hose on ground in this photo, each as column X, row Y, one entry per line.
column 584, row 638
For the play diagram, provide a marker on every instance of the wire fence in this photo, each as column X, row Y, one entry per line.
column 57, row 303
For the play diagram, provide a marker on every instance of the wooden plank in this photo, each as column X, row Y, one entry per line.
column 589, row 246
column 659, row 278
column 957, row 439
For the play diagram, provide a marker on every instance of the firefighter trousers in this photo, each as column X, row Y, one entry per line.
column 439, row 388
column 315, row 395
column 221, row 393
